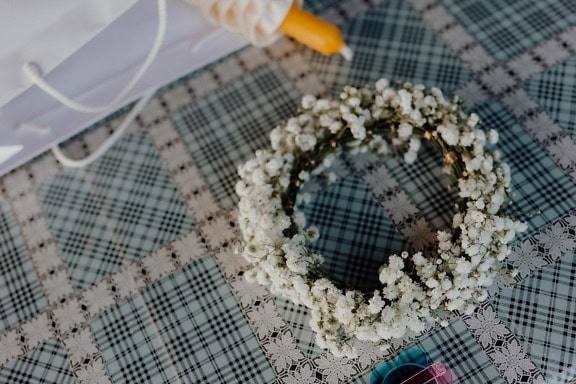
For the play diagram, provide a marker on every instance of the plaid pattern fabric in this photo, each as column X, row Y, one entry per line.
column 204, row 329
column 21, row 296
column 555, row 91
column 537, row 182
column 541, row 311
column 138, row 196
column 319, row 5
column 506, row 29
column 106, row 120
column 225, row 128
column 79, row 227
column 432, row 191
column 188, row 327
column 45, row 365
column 390, row 41
column 132, row 348
column 298, row 317
column 356, row 235
column 456, row 347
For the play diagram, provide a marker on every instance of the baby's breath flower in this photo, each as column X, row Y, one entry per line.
column 416, row 289
column 404, row 131
column 493, row 136
column 473, row 120
column 308, row 101
column 450, row 133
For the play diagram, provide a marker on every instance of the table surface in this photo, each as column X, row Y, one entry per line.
column 124, row 272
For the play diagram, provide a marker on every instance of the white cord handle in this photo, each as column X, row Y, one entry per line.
column 72, row 163
column 34, row 75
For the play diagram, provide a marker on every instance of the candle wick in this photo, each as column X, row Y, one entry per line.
column 346, row 52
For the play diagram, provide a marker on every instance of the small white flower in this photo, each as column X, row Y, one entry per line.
column 306, row 141
column 473, row 120
column 414, row 145
column 404, row 131
column 321, row 105
column 390, row 274
column 308, row 101
column 376, row 303
column 410, row 157
column 335, row 127
column 303, row 175
column 273, row 166
column 353, row 101
column 382, row 84
column 493, row 136
column 466, row 139
column 449, row 133
column 405, row 101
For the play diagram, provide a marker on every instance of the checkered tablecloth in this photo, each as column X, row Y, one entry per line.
column 124, row 272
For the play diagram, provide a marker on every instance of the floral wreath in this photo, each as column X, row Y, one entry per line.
column 417, row 289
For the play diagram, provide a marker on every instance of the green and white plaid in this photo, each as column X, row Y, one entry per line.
column 21, row 295
column 138, row 196
column 542, row 313
column 390, row 41
column 356, row 234
column 203, row 328
column 127, row 232
column 456, row 347
column 47, row 364
column 506, row 30
column 80, row 229
column 538, row 183
column 131, row 346
column 555, row 91
column 224, row 129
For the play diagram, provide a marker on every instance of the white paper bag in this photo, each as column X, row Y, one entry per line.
column 101, row 67
column 46, row 33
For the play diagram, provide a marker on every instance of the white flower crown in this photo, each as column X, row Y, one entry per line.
column 416, row 289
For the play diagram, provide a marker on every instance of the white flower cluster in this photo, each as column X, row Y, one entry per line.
column 417, row 289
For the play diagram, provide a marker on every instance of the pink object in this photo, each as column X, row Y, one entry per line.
column 437, row 373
